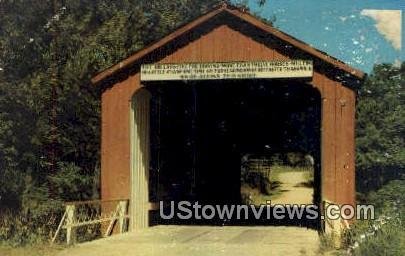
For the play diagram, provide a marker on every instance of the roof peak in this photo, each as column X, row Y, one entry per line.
column 245, row 16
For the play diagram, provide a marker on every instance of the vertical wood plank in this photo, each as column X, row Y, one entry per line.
column 70, row 221
column 123, row 205
column 328, row 145
column 140, row 160
column 345, row 126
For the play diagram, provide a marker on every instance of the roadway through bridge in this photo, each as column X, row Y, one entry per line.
column 204, row 240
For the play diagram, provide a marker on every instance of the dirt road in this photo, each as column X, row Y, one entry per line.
column 292, row 190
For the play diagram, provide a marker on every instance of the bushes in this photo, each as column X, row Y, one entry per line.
column 381, row 237
column 18, row 229
column 259, row 181
column 34, row 222
column 71, row 184
column 386, row 234
column 42, row 207
column 389, row 240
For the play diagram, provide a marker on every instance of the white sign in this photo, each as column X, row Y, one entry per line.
column 227, row 70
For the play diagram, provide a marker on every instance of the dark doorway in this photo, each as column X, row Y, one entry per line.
column 201, row 131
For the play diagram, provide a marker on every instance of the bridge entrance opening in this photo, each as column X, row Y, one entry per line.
column 233, row 142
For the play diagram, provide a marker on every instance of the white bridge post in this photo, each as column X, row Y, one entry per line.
column 123, row 205
column 70, row 222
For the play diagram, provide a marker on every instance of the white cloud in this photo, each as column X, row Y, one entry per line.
column 388, row 24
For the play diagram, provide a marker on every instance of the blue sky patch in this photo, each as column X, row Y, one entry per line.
column 339, row 28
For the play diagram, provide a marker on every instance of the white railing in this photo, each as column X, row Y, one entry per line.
column 84, row 213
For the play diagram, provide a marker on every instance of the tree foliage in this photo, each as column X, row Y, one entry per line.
column 42, row 45
column 381, row 127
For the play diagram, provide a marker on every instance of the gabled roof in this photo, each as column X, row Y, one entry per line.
column 243, row 16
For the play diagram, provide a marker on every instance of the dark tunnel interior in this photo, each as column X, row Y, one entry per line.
column 200, row 130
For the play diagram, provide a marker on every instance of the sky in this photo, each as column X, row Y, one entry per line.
column 359, row 32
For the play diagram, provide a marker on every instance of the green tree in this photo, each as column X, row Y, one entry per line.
column 42, row 44
column 381, row 127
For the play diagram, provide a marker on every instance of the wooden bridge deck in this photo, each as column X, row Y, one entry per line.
column 204, row 240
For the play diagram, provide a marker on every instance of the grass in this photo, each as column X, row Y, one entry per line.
column 26, row 234
column 31, row 250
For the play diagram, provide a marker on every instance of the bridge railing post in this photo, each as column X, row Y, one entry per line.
column 123, row 205
column 70, row 222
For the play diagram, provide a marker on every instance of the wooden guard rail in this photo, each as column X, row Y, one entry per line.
column 74, row 217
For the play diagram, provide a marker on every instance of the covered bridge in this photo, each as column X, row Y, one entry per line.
column 241, row 44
